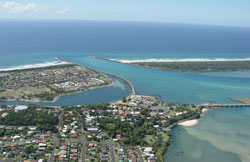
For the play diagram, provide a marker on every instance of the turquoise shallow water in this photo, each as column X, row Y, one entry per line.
column 176, row 86
column 173, row 87
column 220, row 135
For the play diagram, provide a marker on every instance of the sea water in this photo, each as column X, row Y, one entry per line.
column 221, row 135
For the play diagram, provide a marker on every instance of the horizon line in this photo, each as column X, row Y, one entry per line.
column 122, row 21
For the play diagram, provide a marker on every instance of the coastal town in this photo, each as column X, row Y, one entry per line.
column 136, row 129
column 48, row 83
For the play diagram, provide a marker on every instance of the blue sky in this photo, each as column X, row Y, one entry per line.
column 214, row 12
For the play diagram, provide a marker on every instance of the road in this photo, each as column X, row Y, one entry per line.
column 111, row 149
column 83, row 142
column 55, row 139
column 60, row 119
column 139, row 154
column 51, row 159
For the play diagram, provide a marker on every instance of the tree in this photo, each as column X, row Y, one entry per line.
column 29, row 149
column 124, row 99
column 50, row 148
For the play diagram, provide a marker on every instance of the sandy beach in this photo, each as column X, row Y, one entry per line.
column 189, row 123
column 179, row 60
column 32, row 66
column 205, row 110
column 193, row 122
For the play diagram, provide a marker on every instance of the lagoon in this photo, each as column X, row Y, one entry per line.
column 221, row 135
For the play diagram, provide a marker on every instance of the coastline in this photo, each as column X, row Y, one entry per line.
column 179, row 60
column 193, row 122
column 189, row 123
column 243, row 100
column 57, row 97
column 62, row 61
column 185, row 123
column 188, row 65
column 35, row 66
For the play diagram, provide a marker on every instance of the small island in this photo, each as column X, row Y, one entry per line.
column 197, row 66
column 47, row 83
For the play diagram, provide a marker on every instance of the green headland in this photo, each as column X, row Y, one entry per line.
column 197, row 66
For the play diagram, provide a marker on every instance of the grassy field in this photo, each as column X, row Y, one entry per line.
column 24, row 93
column 150, row 139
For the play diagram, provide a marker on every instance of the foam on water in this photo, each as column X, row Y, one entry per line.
column 39, row 65
column 181, row 60
column 140, row 41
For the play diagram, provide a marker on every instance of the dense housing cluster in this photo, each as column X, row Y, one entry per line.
column 48, row 82
column 26, row 133
column 134, row 129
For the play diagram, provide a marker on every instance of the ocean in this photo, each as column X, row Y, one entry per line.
column 32, row 42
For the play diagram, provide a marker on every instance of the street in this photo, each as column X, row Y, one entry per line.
column 139, row 154
column 55, row 139
column 111, row 149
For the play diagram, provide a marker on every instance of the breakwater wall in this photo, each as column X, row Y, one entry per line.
column 105, row 59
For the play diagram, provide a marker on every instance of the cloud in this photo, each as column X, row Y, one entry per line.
column 17, row 8
column 63, row 11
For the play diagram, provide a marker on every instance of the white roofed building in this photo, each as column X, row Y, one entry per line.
column 21, row 108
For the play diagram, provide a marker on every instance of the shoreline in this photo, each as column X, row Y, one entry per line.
column 57, row 97
column 193, row 122
column 186, row 123
column 64, row 62
column 179, row 60
column 243, row 100
column 34, row 66
column 189, row 123
column 187, row 65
